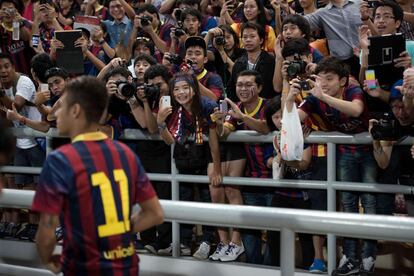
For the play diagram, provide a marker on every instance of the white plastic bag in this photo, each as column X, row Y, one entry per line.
column 278, row 166
column 291, row 138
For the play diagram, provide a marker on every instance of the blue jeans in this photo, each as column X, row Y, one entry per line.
column 252, row 239
column 357, row 166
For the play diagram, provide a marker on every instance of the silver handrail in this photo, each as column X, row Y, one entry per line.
column 287, row 221
column 331, row 139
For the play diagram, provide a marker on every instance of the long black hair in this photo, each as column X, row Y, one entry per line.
column 261, row 16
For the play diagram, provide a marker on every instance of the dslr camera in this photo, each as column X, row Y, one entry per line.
column 220, row 40
column 174, row 59
column 296, row 67
column 179, row 31
column 151, row 92
column 126, row 89
column 178, row 14
column 145, row 20
column 385, row 129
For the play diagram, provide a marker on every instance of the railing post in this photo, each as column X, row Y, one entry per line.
column 287, row 252
column 48, row 145
column 331, row 193
column 175, row 195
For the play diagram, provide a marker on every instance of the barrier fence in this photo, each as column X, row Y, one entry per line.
column 380, row 224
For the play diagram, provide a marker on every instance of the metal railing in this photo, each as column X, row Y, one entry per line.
column 331, row 185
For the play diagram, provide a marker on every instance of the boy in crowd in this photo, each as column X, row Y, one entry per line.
column 341, row 107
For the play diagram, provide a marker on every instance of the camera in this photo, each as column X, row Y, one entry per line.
column 178, row 14
column 126, row 89
column 174, row 59
column 151, row 92
column 145, row 20
column 305, row 85
column 372, row 4
column 296, row 67
column 385, row 129
column 179, row 31
column 220, row 40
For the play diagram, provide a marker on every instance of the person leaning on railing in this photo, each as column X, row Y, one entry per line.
column 396, row 162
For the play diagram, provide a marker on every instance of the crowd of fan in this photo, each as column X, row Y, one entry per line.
column 254, row 57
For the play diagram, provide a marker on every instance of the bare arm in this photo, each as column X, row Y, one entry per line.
column 166, row 6
column 304, row 163
column 215, row 177
column 45, row 236
column 128, row 9
column 151, row 214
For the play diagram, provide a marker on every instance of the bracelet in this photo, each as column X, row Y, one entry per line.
column 162, row 126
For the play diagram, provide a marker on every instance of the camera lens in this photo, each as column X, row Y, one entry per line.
column 219, row 40
column 127, row 89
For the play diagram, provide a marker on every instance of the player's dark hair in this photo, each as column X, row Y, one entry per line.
column 298, row 46
column 90, row 93
column 157, row 70
column 300, row 21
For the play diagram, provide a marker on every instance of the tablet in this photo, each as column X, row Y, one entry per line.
column 382, row 50
column 70, row 57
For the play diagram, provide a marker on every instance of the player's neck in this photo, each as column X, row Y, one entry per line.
column 83, row 128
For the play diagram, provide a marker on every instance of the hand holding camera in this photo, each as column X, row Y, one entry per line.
column 384, row 129
column 117, row 62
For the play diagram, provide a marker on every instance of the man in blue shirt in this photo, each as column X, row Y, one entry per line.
column 119, row 29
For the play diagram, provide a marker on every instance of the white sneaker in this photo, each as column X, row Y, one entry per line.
column 184, row 250
column 202, row 252
column 232, row 252
column 220, row 251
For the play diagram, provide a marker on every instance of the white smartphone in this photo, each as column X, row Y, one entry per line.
column 44, row 87
column 223, row 106
column 165, row 101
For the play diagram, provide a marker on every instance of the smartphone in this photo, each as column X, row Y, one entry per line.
column 35, row 40
column 370, row 78
column 165, row 101
column 44, row 87
column 223, row 106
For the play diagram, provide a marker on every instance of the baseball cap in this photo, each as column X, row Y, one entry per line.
column 195, row 41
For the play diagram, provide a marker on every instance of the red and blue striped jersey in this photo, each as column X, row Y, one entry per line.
column 92, row 185
column 257, row 153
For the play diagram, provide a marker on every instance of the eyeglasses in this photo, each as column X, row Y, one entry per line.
column 386, row 17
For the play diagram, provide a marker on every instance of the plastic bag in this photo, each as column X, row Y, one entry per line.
column 291, row 138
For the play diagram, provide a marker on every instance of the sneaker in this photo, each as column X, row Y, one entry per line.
column 139, row 247
column 346, row 267
column 220, row 251
column 184, row 251
column 11, row 230
column 367, row 266
column 202, row 252
column 232, row 252
column 151, row 249
column 318, row 266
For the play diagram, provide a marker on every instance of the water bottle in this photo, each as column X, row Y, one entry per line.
column 16, row 30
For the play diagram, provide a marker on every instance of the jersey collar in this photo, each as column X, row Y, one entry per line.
column 202, row 74
column 90, row 136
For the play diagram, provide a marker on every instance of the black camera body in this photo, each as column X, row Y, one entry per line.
column 178, row 13
column 174, row 59
column 126, row 89
column 179, row 31
column 372, row 3
column 220, row 40
column 145, row 20
column 304, row 84
column 385, row 129
column 151, row 92
column 296, row 68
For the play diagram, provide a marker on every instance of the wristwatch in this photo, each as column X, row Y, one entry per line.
column 162, row 126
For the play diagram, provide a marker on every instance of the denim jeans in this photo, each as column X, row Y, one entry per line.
column 252, row 239
column 359, row 166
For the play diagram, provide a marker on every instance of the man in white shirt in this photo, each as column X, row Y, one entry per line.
column 18, row 92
